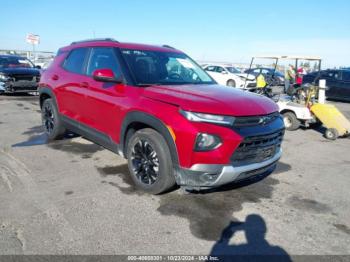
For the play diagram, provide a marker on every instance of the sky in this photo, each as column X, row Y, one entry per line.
column 225, row 30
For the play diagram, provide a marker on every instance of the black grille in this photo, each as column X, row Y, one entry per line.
column 25, row 78
column 256, row 172
column 251, row 85
column 244, row 121
column 257, row 149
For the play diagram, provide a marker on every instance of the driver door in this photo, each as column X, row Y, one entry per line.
column 104, row 99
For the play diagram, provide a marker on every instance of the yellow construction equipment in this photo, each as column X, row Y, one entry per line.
column 335, row 122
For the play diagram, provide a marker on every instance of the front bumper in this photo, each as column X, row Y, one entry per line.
column 18, row 86
column 208, row 176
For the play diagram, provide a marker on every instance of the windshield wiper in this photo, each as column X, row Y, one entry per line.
column 174, row 84
column 147, row 85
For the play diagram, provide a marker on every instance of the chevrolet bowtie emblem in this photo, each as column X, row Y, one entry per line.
column 263, row 120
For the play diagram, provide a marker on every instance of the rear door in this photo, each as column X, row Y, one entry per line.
column 332, row 82
column 344, row 91
column 70, row 89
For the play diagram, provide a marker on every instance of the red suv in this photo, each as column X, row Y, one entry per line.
column 159, row 109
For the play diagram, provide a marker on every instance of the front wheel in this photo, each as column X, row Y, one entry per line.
column 331, row 134
column 149, row 161
column 291, row 121
column 231, row 83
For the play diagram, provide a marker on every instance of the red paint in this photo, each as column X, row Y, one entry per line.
column 104, row 109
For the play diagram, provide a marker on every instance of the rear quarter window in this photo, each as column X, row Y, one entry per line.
column 76, row 60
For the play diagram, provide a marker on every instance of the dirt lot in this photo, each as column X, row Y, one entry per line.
column 74, row 197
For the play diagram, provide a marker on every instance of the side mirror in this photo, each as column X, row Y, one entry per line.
column 224, row 73
column 105, row 75
column 38, row 67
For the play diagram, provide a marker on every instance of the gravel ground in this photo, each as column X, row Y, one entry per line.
column 74, row 197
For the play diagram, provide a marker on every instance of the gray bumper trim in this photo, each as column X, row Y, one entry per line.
column 227, row 173
column 231, row 173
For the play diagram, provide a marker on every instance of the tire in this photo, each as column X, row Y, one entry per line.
column 231, row 83
column 331, row 134
column 52, row 124
column 149, row 162
column 291, row 122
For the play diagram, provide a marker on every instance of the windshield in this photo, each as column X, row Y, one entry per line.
column 13, row 62
column 164, row 68
column 233, row 70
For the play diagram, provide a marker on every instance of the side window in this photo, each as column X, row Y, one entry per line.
column 329, row 74
column 210, row 68
column 75, row 61
column 219, row 69
column 346, row 75
column 337, row 75
column 103, row 58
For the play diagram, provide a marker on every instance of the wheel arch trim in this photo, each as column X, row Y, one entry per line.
column 47, row 91
column 153, row 122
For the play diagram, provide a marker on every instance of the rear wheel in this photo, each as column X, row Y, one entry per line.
column 291, row 122
column 149, row 161
column 53, row 126
column 231, row 83
column 331, row 134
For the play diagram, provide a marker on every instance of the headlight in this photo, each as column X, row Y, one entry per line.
column 206, row 142
column 208, row 118
column 3, row 77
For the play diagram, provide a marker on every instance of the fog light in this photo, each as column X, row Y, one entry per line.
column 206, row 142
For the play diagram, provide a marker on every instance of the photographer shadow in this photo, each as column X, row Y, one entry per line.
column 256, row 249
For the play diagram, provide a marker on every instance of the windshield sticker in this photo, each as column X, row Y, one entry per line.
column 185, row 63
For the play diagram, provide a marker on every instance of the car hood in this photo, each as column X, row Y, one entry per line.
column 212, row 99
column 20, row 71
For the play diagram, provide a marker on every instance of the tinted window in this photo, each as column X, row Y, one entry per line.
column 233, row 70
column 219, row 69
column 13, row 62
column 75, row 61
column 103, row 58
column 210, row 68
column 346, row 75
column 330, row 74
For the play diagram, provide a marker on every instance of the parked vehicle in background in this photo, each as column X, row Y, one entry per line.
column 159, row 109
column 230, row 76
column 46, row 64
column 337, row 81
column 272, row 77
column 18, row 74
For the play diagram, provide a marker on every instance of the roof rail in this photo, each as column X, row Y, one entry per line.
column 94, row 40
column 168, row 46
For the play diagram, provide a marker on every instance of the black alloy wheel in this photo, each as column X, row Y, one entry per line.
column 145, row 162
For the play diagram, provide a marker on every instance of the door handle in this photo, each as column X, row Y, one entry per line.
column 55, row 77
column 84, row 84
